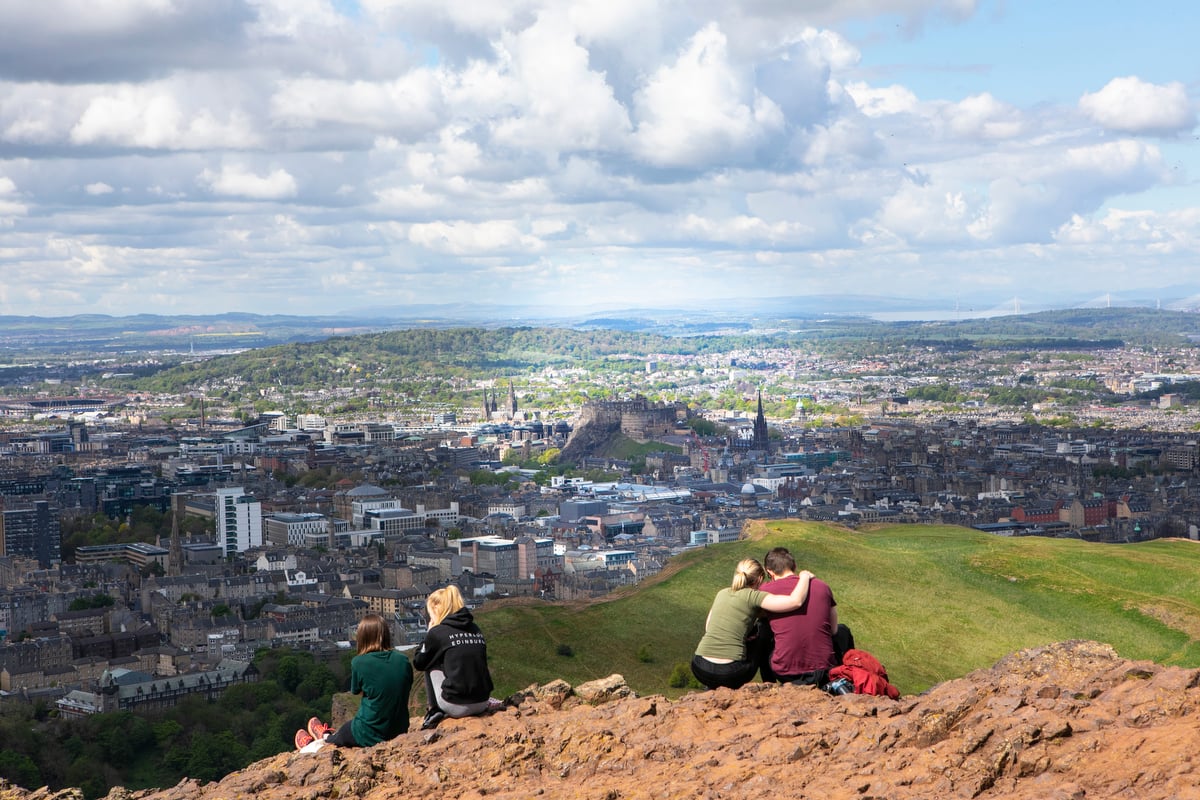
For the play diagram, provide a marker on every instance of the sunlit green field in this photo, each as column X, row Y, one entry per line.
column 932, row 603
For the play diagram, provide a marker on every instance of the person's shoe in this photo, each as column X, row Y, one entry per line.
column 432, row 719
column 495, row 705
column 303, row 739
column 318, row 729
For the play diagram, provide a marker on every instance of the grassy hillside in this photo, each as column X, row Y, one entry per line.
column 932, row 603
column 624, row 447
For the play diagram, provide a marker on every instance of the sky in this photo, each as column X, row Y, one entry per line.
column 325, row 156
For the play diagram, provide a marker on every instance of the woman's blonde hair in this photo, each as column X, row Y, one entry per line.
column 748, row 573
column 373, row 634
column 442, row 603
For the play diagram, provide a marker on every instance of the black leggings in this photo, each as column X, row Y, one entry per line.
column 733, row 675
column 342, row 737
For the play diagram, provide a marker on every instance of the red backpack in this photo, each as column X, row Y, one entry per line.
column 866, row 673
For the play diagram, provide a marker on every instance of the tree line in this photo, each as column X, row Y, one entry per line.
column 196, row 739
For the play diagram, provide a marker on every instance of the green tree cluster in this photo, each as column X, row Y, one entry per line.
column 144, row 524
column 94, row 601
column 196, row 739
column 937, row 393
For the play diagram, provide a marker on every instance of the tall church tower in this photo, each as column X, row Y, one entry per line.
column 175, row 557
column 761, row 440
column 512, row 400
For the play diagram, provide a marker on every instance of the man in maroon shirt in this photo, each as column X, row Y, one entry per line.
column 804, row 649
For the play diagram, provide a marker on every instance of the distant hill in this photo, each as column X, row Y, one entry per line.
column 844, row 318
column 932, row 602
column 491, row 351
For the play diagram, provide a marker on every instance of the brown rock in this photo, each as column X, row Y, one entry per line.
column 553, row 694
column 1071, row 721
column 604, row 690
column 10, row 792
column 345, row 706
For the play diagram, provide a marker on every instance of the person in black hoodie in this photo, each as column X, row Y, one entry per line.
column 454, row 658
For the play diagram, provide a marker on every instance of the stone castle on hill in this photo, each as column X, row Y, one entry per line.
column 637, row 418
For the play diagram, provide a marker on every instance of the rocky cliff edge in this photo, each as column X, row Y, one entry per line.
column 1070, row 720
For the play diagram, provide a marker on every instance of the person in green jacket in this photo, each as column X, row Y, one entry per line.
column 384, row 678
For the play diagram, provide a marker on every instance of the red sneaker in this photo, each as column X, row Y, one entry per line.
column 303, row 739
column 318, row 729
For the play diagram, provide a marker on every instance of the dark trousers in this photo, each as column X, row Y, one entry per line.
column 342, row 737
column 843, row 640
column 760, row 644
column 733, row 675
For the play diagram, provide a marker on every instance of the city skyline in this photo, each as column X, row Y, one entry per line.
column 324, row 156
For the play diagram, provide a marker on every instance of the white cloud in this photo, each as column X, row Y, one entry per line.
column 295, row 19
column 562, row 105
column 930, row 214
column 91, row 17
column 470, row 238
column 462, row 15
column 844, row 138
column 408, row 106
column 983, row 116
column 829, row 48
column 236, row 181
column 701, row 110
column 627, row 24
column 879, row 101
column 1131, row 105
column 98, row 188
column 456, row 154
column 1161, row 233
column 1030, row 204
column 745, row 230
column 151, row 116
column 82, row 40
column 10, row 205
column 547, row 227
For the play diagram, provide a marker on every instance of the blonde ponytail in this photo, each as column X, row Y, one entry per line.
column 749, row 573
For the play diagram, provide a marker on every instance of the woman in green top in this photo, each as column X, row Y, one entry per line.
column 721, row 658
column 384, row 678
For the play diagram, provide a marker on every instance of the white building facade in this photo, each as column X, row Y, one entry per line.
column 239, row 521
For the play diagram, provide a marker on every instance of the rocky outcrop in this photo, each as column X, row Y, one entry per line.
column 1070, row 721
column 590, row 439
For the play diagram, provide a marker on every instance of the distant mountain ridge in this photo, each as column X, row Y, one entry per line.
column 98, row 333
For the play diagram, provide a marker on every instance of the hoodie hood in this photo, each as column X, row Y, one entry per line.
column 460, row 620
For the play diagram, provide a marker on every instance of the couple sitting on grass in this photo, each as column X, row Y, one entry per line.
column 772, row 620
column 457, row 680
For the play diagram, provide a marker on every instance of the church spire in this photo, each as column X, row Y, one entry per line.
column 175, row 554
column 761, row 440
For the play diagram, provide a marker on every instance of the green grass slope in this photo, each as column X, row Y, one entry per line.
column 623, row 447
column 932, row 602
